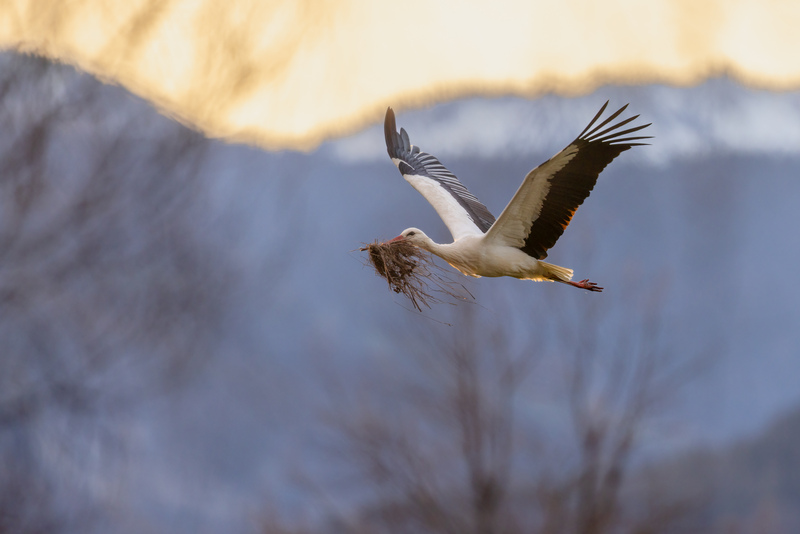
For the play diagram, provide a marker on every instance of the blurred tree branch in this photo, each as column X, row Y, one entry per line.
column 441, row 452
column 107, row 289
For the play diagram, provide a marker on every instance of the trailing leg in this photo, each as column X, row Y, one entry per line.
column 585, row 284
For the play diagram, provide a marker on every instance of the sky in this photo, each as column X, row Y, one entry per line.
column 291, row 74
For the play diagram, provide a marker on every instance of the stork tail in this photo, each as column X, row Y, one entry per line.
column 555, row 273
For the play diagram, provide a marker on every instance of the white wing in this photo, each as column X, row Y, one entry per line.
column 544, row 204
column 461, row 211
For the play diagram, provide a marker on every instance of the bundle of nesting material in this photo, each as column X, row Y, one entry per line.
column 410, row 270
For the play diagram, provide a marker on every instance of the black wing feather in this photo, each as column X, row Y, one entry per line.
column 570, row 186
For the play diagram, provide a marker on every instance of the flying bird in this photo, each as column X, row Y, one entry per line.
column 515, row 243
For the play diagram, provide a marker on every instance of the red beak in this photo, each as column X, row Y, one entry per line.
column 398, row 238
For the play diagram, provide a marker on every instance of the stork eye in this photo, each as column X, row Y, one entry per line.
column 409, row 234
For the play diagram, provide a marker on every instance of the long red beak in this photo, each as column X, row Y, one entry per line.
column 398, row 238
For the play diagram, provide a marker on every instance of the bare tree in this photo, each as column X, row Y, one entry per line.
column 106, row 286
column 456, row 449
column 620, row 373
column 435, row 446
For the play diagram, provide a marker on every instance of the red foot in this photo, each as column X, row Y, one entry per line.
column 586, row 284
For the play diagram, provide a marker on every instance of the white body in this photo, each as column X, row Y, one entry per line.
column 474, row 255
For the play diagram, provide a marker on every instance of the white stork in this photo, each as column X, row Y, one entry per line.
column 534, row 219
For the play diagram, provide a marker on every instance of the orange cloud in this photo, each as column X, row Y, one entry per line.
column 288, row 74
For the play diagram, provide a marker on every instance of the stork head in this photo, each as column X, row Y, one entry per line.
column 415, row 236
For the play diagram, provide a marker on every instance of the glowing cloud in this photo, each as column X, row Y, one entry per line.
column 292, row 73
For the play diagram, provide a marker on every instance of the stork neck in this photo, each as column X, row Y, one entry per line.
column 445, row 252
column 431, row 246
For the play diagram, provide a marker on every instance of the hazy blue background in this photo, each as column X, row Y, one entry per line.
column 700, row 228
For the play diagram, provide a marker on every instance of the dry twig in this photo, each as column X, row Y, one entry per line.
column 411, row 271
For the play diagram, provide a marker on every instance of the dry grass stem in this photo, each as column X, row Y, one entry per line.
column 411, row 271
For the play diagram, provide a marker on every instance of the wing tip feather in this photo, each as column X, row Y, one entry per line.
column 389, row 131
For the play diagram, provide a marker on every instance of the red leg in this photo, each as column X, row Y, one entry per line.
column 586, row 284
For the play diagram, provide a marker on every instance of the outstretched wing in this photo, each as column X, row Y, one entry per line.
column 544, row 204
column 461, row 211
